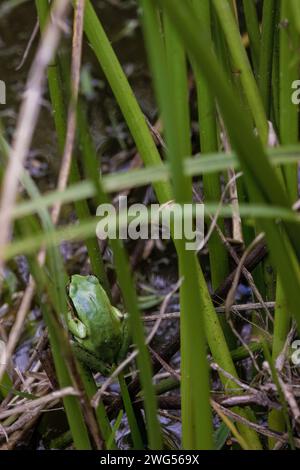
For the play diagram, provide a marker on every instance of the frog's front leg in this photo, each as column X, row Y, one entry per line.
column 90, row 360
column 76, row 327
column 126, row 339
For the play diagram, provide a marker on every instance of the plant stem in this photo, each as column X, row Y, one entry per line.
column 242, row 65
column 266, row 52
column 253, row 31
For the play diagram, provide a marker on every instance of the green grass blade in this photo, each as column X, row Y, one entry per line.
column 247, row 146
column 253, row 31
column 266, row 52
column 241, row 62
column 195, row 409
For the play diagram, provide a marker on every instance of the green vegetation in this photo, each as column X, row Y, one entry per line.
column 211, row 329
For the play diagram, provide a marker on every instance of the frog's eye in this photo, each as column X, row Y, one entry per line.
column 92, row 279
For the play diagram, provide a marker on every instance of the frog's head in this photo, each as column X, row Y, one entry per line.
column 81, row 283
column 89, row 299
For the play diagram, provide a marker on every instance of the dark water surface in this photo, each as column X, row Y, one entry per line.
column 120, row 21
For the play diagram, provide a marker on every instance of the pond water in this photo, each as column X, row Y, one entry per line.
column 120, row 21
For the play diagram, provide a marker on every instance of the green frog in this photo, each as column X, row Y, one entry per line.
column 101, row 332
